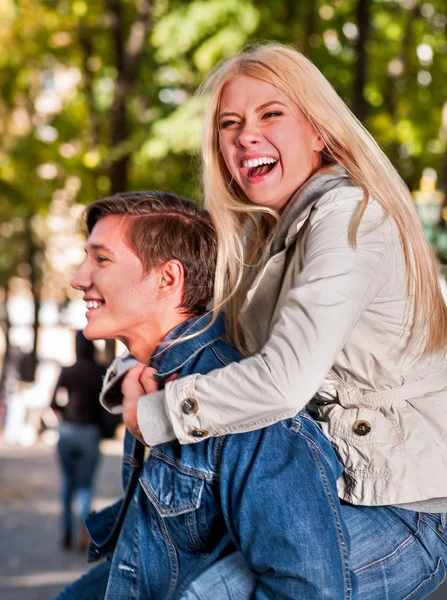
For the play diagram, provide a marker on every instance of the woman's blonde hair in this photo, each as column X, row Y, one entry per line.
column 242, row 228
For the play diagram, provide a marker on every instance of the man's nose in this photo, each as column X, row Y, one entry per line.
column 82, row 279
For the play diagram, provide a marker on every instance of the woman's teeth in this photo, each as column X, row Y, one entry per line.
column 257, row 162
column 93, row 304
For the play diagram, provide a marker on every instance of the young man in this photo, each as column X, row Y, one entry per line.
column 147, row 280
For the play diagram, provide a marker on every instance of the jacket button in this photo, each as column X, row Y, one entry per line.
column 199, row 433
column 362, row 427
column 190, row 406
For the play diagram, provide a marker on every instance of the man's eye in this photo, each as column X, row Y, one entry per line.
column 101, row 259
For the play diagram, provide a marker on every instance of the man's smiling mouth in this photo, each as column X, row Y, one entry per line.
column 94, row 304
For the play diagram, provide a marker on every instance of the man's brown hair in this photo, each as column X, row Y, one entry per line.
column 162, row 227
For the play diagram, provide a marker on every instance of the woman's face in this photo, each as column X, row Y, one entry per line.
column 268, row 145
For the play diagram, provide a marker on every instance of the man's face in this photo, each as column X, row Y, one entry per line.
column 122, row 302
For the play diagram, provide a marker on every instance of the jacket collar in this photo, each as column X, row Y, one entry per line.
column 300, row 204
column 170, row 357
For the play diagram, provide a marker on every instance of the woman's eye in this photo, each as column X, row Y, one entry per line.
column 226, row 124
column 273, row 113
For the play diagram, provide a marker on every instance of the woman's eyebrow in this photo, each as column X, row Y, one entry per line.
column 269, row 103
column 228, row 114
column 257, row 109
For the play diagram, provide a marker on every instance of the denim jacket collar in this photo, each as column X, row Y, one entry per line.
column 169, row 358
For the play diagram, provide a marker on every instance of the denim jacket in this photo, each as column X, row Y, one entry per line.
column 193, row 504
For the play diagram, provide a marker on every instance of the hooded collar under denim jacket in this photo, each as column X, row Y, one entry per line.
column 326, row 320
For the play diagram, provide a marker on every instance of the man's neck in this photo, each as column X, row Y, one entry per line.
column 144, row 346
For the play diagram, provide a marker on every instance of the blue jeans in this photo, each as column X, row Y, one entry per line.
column 78, row 451
column 395, row 554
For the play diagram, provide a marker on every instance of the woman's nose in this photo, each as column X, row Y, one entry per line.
column 82, row 278
column 249, row 135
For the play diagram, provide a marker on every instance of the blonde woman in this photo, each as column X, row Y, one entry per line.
column 330, row 289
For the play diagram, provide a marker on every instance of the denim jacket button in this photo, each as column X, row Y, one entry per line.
column 362, row 427
column 190, row 406
column 199, row 433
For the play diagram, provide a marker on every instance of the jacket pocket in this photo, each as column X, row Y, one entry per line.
column 182, row 512
column 370, row 442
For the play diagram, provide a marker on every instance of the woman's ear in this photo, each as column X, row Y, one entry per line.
column 319, row 144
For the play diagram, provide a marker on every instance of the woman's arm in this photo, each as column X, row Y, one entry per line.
column 330, row 294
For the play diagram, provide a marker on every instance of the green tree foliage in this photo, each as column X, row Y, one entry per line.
column 100, row 93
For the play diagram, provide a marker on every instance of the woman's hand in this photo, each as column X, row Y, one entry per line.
column 136, row 383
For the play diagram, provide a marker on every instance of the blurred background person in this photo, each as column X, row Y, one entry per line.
column 76, row 402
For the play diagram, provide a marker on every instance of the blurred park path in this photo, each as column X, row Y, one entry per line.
column 32, row 564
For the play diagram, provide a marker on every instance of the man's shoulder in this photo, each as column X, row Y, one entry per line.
column 216, row 354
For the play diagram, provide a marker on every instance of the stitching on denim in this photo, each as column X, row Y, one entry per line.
column 296, row 423
column 165, row 374
column 192, row 519
column 427, row 581
column 340, row 533
column 170, row 512
column 393, row 555
column 317, row 447
column 173, row 559
column 138, row 537
column 439, row 533
column 192, row 530
column 182, row 468
column 219, row 356
column 217, row 454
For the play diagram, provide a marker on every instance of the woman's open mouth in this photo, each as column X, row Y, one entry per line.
column 256, row 169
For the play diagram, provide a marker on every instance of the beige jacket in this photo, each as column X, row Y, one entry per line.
column 329, row 324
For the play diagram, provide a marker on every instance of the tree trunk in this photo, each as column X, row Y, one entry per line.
column 127, row 57
column 360, row 106
column 6, row 327
column 85, row 41
column 311, row 22
column 32, row 259
column 443, row 177
column 402, row 57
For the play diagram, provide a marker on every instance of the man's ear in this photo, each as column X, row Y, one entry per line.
column 171, row 277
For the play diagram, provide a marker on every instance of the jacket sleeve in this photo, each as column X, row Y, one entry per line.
column 336, row 285
column 279, row 500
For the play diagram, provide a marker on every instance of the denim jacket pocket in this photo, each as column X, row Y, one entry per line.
column 181, row 512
